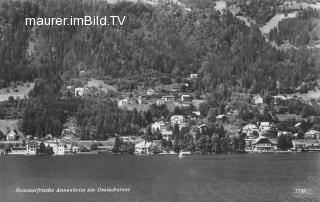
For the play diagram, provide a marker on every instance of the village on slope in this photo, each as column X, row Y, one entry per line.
column 286, row 133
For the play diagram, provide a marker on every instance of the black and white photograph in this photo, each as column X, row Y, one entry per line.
column 159, row 100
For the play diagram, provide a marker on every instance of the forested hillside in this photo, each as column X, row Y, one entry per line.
column 165, row 39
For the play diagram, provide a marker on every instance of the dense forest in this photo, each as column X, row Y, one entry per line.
column 162, row 40
column 166, row 39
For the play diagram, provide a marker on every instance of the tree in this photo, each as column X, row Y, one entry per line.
column 94, row 147
column 117, row 145
column 148, row 136
column 157, row 135
column 2, row 136
column 45, row 150
column 307, row 111
column 284, row 142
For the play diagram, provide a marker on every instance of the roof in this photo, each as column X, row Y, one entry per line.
column 159, row 122
column 197, row 113
column 262, row 140
column 297, row 125
column 176, row 116
column 312, row 132
column 257, row 97
column 220, row 116
column 250, row 126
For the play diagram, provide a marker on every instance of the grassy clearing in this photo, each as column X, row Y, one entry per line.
column 312, row 94
column 275, row 21
column 12, row 124
column 22, row 91
column 100, row 85
column 283, row 117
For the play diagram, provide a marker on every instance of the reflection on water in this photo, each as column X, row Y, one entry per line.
column 248, row 177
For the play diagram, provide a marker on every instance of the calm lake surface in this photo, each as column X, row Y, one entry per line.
column 246, row 177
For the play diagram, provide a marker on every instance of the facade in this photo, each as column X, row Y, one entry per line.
column 305, row 144
column 11, row 135
column 18, row 151
column 263, row 144
column 167, row 98
column 32, row 148
column 143, row 148
column 186, row 98
column 264, row 126
column 142, row 101
column 257, row 99
column 57, row 147
column 78, row 91
column 123, row 103
column 312, row 134
column 250, row 130
column 105, row 148
column 193, row 76
column 177, row 119
column 132, row 139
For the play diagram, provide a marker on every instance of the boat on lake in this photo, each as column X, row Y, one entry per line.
column 184, row 153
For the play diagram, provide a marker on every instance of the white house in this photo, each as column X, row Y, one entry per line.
column 278, row 97
column 123, row 103
column 168, row 98
column 158, row 125
column 196, row 113
column 312, row 134
column 186, row 98
column 57, row 147
column 177, row 119
column 305, row 144
column 250, row 129
column 257, row 99
column 264, row 126
column 150, row 92
column 18, row 151
column 32, row 148
column 143, row 148
column 132, row 139
column 78, row 91
column 263, row 144
column 142, row 100
column 193, row 76
column 11, row 135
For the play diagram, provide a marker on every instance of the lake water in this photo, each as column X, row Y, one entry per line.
column 246, row 177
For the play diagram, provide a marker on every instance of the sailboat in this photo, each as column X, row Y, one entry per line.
column 183, row 154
